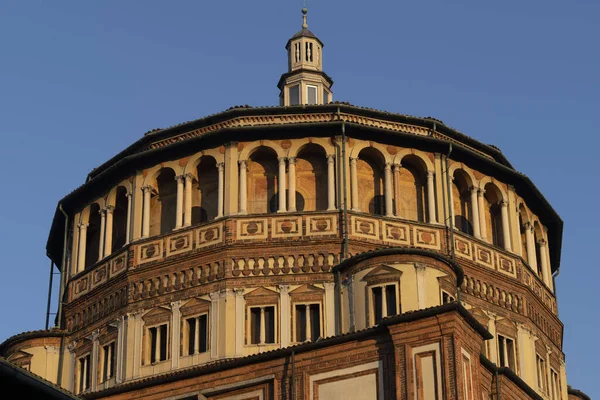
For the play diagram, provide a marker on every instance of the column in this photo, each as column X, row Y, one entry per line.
column 119, row 368
column 308, row 324
column 529, row 240
column 329, row 329
column 240, row 305
column 196, row 336
column 82, row 243
column 384, row 312
column 431, row 197
column 109, row 231
column 492, row 343
column 179, row 208
column 109, row 358
column 220, row 194
column 481, row 209
column 128, row 227
column 451, row 199
column 284, row 299
column 389, row 211
column 475, row 208
column 94, row 360
column 84, row 375
column 243, row 190
column 175, row 332
column 505, row 225
column 187, row 215
column 262, row 326
column 396, row 172
column 330, row 182
column 214, row 324
column 281, row 182
column 544, row 261
column 147, row 190
column 102, row 230
column 421, row 284
column 354, row 183
column 292, row 184
column 73, row 368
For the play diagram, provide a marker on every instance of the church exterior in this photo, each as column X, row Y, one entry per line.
column 313, row 250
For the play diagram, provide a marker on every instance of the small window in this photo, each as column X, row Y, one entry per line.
column 197, row 334
column 447, row 297
column 159, row 339
column 311, row 94
column 541, row 372
column 262, row 325
column 84, row 373
column 108, row 360
column 467, row 376
column 325, row 96
column 294, row 95
column 308, row 322
column 385, row 302
column 506, row 352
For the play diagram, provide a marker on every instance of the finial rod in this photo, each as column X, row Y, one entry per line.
column 304, row 24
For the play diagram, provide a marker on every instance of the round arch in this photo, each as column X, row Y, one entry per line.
column 251, row 147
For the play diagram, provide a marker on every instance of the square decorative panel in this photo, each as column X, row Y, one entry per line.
column 463, row 248
column 364, row 227
column 506, row 266
column 252, row 228
column 150, row 251
column 282, row 227
column 396, row 233
column 118, row 264
column 209, row 235
column 321, row 225
column 426, row 238
column 179, row 243
column 484, row 256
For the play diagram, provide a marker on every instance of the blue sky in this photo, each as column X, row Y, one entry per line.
column 79, row 81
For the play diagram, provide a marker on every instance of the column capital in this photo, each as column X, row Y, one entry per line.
column 281, row 160
column 284, row 289
column 503, row 203
column 292, row 160
column 397, row 166
column 542, row 242
column 528, row 225
column 474, row 189
column 330, row 158
column 175, row 305
column 83, row 225
column 328, row 285
column 71, row 346
column 353, row 160
column 147, row 188
column 128, row 193
column 94, row 335
column 214, row 296
column 110, row 209
column 180, row 178
column 189, row 177
column 430, row 174
column 220, row 166
column 388, row 166
column 481, row 192
column 420, row 268
column 102, row 212
column 243, row 163
column 239, row 292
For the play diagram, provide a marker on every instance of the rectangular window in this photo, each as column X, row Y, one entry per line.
column 294, row 95
column 541, row 372
column 159, row 339
column 308, row 322
column 311, row 95
column 555, row 382
column 197, row 334
column 385, row 302
column 506, row 352
column 84, row 373
column 109, row 358
column 325, row 96
column 262, row 325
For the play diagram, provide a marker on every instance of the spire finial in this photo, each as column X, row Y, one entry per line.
column 304, row 24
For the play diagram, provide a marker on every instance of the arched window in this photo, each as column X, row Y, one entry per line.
column 205, row 192
column 411, row 191
column 119, row 230
column 262, row 178
column 92, row 245
column 537, row 237
column 492, row 215
column 163, row 204
column 311, row 179
column 370, row 174
column 463, row 212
